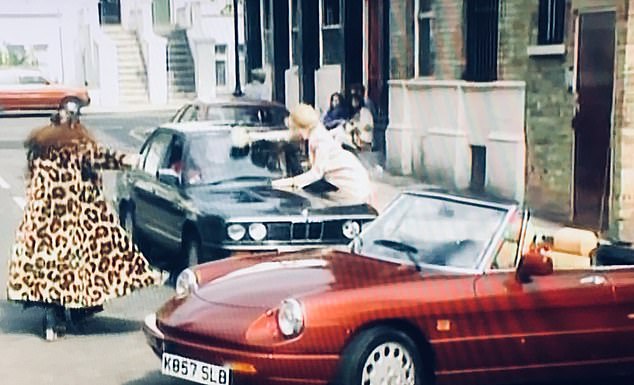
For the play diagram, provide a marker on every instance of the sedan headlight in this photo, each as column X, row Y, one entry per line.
column 257, row 231
column 290, row 318
column 186, row 283
column 236, row 231
column 351, row 229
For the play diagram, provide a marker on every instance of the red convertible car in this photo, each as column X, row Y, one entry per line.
column 440, row 288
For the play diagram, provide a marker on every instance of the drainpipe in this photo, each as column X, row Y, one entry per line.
column 238, row 90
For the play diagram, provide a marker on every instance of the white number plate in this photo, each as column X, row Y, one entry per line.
column 193, row 370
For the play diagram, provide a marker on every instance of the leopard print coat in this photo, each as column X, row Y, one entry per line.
column 70, row 249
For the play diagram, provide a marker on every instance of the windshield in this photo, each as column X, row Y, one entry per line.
column 247, row 115
column 212, row 158
column 432, row 230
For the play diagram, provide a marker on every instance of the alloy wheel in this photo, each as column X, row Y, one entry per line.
column 389, row 364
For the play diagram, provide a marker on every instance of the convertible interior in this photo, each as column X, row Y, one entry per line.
column 570, row 248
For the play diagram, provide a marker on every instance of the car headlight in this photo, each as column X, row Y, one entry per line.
column 290, row 317
column 186, row 283
column 351, row 229
column 257, row 231
column 236, row 231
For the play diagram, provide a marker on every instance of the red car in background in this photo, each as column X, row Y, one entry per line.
column 439, row 289
column 28, row 89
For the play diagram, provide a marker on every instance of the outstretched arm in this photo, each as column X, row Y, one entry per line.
column 105, row 158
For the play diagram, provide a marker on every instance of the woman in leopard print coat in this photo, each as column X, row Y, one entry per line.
column 70, row 250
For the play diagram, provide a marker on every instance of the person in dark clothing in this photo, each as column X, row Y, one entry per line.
column 337, row 113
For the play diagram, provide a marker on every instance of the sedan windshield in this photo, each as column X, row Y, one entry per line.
column 213, row 159
column 432, row 230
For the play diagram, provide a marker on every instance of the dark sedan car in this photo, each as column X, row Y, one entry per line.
column 439, row 289
column 203, row 191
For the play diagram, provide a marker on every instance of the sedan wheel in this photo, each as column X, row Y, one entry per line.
column 128, row 223
column 381, row 356
column 191, row 252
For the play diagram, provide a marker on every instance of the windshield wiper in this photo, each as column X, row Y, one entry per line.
column 409, row 250
column 239, row 179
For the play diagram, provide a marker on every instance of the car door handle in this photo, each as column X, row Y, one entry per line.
column 592, row 280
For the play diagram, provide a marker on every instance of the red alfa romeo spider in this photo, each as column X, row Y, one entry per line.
column 438, row 289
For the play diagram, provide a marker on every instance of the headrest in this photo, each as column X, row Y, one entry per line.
column 574, row 241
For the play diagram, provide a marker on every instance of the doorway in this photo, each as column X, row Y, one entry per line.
column 353, row 43
column 592, row 120
column 109, row 12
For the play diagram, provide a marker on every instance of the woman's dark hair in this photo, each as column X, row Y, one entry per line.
column 359, row 99
column 337, row 95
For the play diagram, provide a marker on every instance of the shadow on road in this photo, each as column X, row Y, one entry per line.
column 156, row 378
column 14, row 319
column 25, row 114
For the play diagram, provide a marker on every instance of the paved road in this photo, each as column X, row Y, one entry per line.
column 110, row 349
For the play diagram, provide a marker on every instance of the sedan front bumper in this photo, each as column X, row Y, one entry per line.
column 248, row 367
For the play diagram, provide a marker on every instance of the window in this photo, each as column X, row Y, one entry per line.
column 154, row 152
column 221, row 64
column 332, row 40
column 190, row 114
column 33, row 79
column 295, row 32
column 552, row 16
column 424, row 35
column 266, row 14
column 481, row 40
column 332, row 13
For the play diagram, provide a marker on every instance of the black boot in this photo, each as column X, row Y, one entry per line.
column 77, row 316
column 54, row 323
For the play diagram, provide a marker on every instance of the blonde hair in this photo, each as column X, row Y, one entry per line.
column 303, row 117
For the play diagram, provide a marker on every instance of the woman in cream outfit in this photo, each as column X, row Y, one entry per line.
column 328, row 160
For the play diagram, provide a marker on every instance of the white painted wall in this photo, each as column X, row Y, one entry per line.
column 208, row 26
column 327, row 82
column 53, row 30
column 433, row 123
column 291, row 77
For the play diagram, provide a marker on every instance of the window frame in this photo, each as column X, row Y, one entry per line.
column 221, row 58
column 553, row 30
column 484, row 66
column 323, row 15
column 147, row 148
column 418, row 16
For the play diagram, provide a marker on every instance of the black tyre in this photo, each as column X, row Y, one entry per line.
column 191, row 252
column 381, row 355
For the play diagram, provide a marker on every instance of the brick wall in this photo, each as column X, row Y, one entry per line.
column 449, row 39
column 401, row 39
column 549, row 104
column 549, row 107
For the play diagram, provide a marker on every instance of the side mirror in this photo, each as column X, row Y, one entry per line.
column 533, row 264
column 168, row 176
